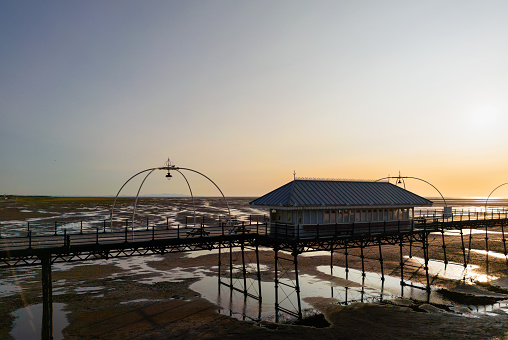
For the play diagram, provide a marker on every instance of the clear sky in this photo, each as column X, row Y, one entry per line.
column 247, row 92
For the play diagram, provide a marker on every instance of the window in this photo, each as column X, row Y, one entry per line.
column 327, row 217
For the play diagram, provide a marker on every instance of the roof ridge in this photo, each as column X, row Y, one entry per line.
column 327, row 179
column 291, row 192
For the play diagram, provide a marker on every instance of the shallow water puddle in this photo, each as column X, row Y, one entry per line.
column 454, row 271
column 490, row 253
column 235, row 304
column 28, row 322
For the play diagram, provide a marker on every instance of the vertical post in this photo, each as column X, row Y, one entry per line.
column 231, row 265
column 487, row 247
column 347, row 263
column 469, row 246
column 331, row 261
column 81, row 227
column 463, row 246
column 276, row 280
column 444, row 245
column 258, row 274
column 244, row 271
column 401, row 268
column 47, row 298
column 381, row 262
column 167, row 223
column 297, row 288
column 426, row 260
column 55, row 228
column 104, row 228
column 504, row 239
column 363, row 262
column 219, row 265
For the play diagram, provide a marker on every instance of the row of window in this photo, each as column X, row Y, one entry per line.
column 341, row 215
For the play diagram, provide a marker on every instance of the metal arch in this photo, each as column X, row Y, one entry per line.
column 193, row 205
column 137, row 195
column 225, row 200
column 487, row 200
column 139, row 190
column 402, row 177
column 118, row 193
column 166, row 168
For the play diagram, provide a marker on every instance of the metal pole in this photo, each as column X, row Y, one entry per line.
column 444, row 245
column 276, row 280
column 381, row 261
column 297, row 288
column 244, row 271
column 47, row 298
column 258, row 273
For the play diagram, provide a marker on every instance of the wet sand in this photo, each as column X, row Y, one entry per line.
column 123, row 307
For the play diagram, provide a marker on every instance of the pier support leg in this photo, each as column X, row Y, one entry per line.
column 381, row 263
column 463, row 247
column 487, row 248
column 244, row 271
column 276, row 281
column 469, row 247
column 331, row 262
column 426, row 261
column 363, row 260
column 258, row 277
column 347, row 264
column 47, row 298
column 219, row 266
column 297, row 288
column 401, row 268
column 504, row 241
column 231, row 265
column 444, row 246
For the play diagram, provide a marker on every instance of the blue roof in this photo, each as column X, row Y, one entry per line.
column 339, row 193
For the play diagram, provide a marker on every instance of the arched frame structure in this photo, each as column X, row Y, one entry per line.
column 168, row 169
column 488, row 197
column 419, row 179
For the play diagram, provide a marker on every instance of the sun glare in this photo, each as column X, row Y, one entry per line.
column 484, row 116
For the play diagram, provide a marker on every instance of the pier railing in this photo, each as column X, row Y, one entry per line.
column 42, row 238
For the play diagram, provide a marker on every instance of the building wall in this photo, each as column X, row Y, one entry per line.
column 320, row 216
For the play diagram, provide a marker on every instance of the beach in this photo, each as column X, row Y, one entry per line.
column 177, row 295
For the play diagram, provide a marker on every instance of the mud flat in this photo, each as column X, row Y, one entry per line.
column 150, row 297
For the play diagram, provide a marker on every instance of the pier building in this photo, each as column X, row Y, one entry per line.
column 307, row 203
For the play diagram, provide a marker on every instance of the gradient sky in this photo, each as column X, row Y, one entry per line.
column 246, row 92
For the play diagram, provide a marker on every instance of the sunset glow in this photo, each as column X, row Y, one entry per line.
column 249, row 92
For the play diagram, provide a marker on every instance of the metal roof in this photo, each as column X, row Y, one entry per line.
column 339, row 193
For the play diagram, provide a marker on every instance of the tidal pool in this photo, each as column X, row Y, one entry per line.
column 28, row 323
